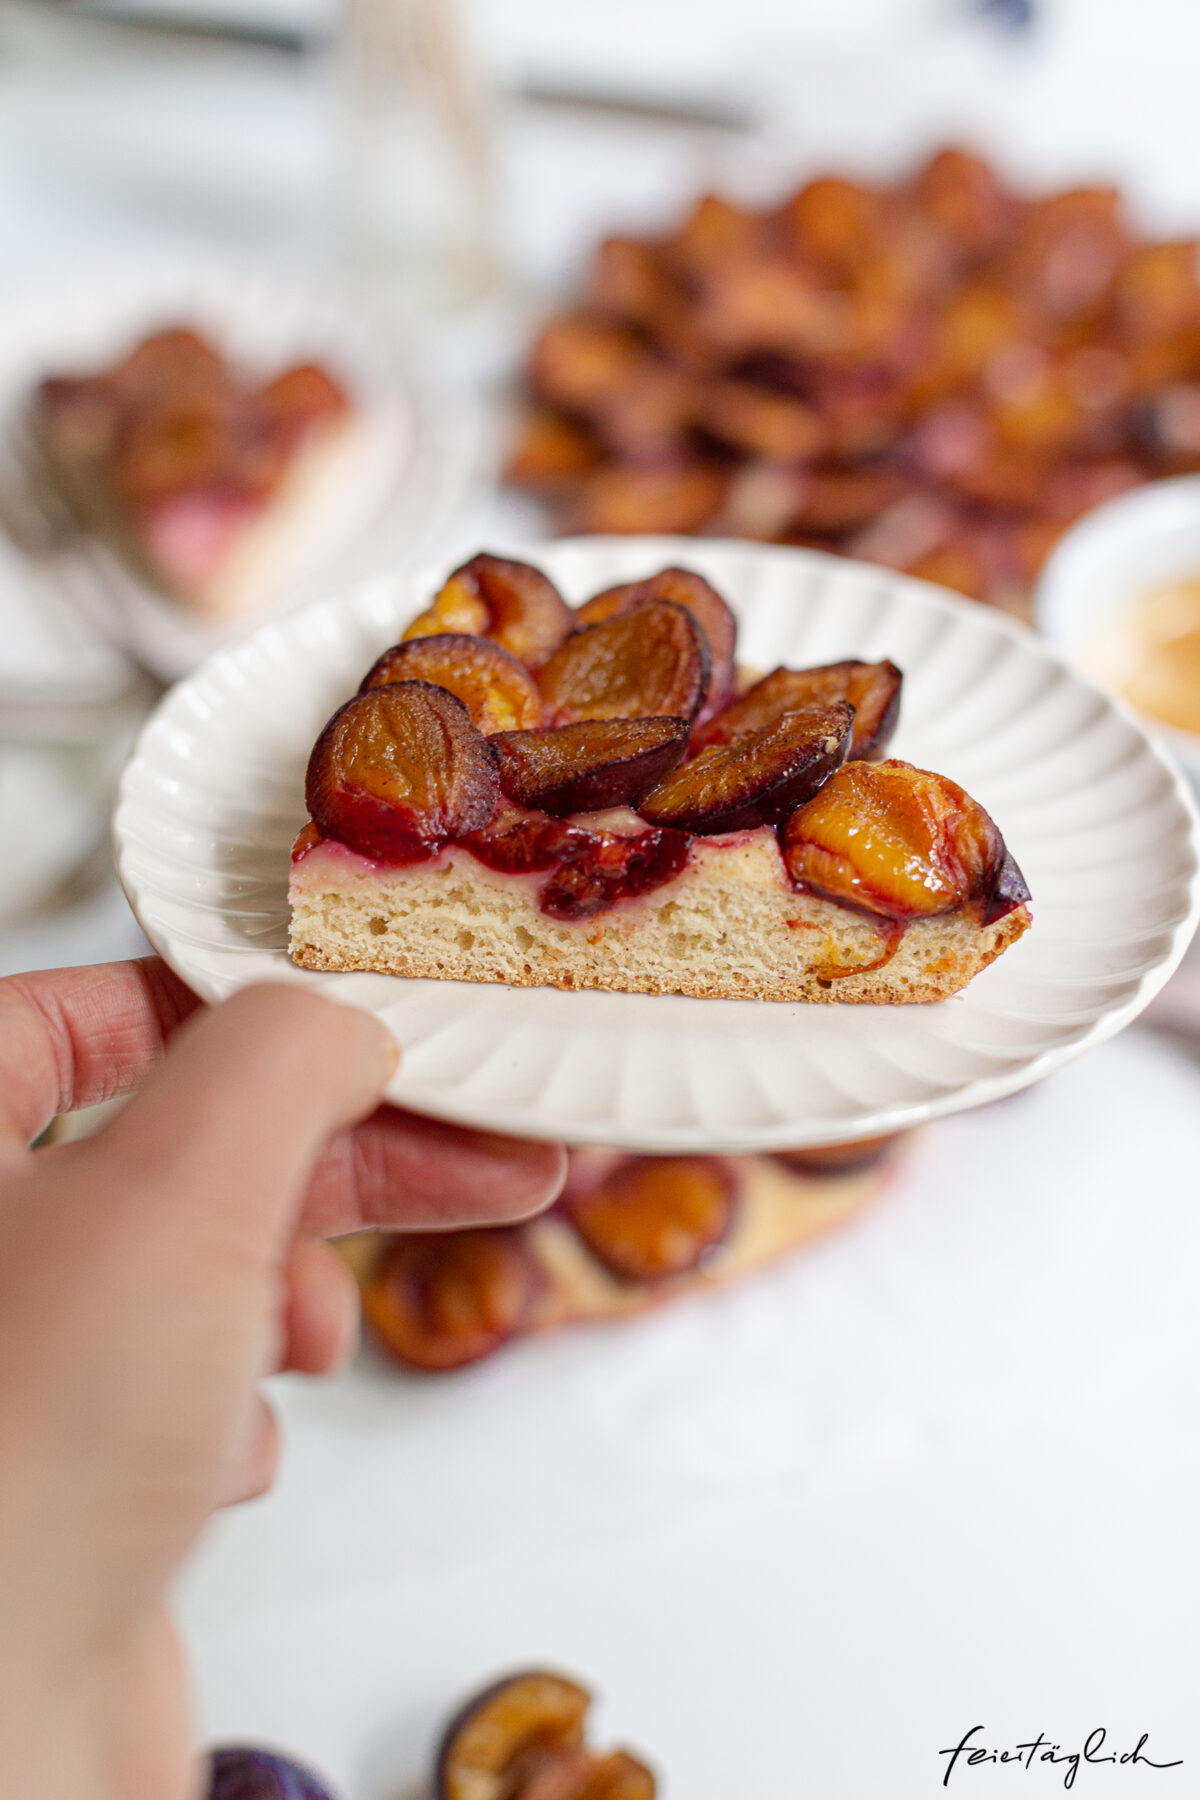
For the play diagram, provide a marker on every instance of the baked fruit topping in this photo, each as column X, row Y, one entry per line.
column 901, row 842
column 588, row 766
column 512, row 602
column 793, row 865
column 440, row 1300
column 609, row 867
column 518, row 842
column 652, row 1217
column 758, row 778
column 685, row 588
column 649, row 661
column 523, row 1739
column 872, row 689
column 499, row 692
column 398, row 771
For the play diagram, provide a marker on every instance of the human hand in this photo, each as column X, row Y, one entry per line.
column 149, row 1277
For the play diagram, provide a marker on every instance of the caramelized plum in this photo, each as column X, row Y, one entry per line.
column 303, row 396
column 608, row 867
column 499, row 692
column 549, row 452
column 872, row 689
column 758, row 422
column 588, row 766
column 900, row 842
column 655, row 1216
column 400, row 770
column 493, row 597
column 649, row 662
column 532, row 1713
column 757, row 779
column 440, row 1300
column 684, row 588
column 525, row 843
column 678, row 495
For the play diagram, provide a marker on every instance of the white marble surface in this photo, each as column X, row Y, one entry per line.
column 941, row 1471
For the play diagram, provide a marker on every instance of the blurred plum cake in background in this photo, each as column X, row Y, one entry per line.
column 939, row 375
column 195, row 472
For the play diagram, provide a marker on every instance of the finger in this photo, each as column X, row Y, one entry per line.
column 255, row 1460
column 74, row 1037
column 320, row 1314
column 398, row 1169
column 224, row 1133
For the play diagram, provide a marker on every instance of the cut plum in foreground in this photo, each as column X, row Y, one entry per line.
column 589, row 766
column 441, row 1300
column 903, row 843
column 523, row 1739
column 872, row 689
column 244, row 1772
column 655, row 1216
column 512, row 602
column 757, row 779
column 498, row 691
column 652, row 661
column 398, row 771
column 685, row 588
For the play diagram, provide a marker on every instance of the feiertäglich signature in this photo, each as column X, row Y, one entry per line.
column 1038, row 1751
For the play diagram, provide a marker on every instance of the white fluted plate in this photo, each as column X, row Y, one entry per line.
column 1099, row 819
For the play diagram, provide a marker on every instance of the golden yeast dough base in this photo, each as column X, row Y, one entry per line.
column 730, row 926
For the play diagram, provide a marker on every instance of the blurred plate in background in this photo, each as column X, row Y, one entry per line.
column 413, row 464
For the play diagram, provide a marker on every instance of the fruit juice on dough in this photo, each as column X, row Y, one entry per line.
column 1151, row 654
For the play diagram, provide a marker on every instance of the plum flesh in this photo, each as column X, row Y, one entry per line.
column 399, row 771
column 902, row 843
column 499, row 692
column 523, row 1739
column 651, row 661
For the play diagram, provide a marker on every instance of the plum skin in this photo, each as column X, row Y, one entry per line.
column 246, row 1772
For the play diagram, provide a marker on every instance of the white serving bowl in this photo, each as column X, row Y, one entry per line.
column 1122, row 550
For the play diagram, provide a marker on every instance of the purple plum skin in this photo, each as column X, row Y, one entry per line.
column 242, row 1772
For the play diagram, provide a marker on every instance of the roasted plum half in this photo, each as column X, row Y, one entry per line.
column 523, row 1739
column 400, row 770
column 656, row 1216
column 588, row 766
column 756, row 780
column 440, row 1300
column 512, row 602
column 685, row 588
column 651, row 661
column 902, row 843
column 499, row 692
column 872, row 689
column 244, row 1772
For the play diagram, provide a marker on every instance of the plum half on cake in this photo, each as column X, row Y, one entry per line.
column 195, row 473
column 594, row 798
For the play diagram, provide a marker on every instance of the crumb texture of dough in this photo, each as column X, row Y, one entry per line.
column 729, row 927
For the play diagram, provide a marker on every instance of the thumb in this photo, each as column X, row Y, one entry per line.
column 227, row 1128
